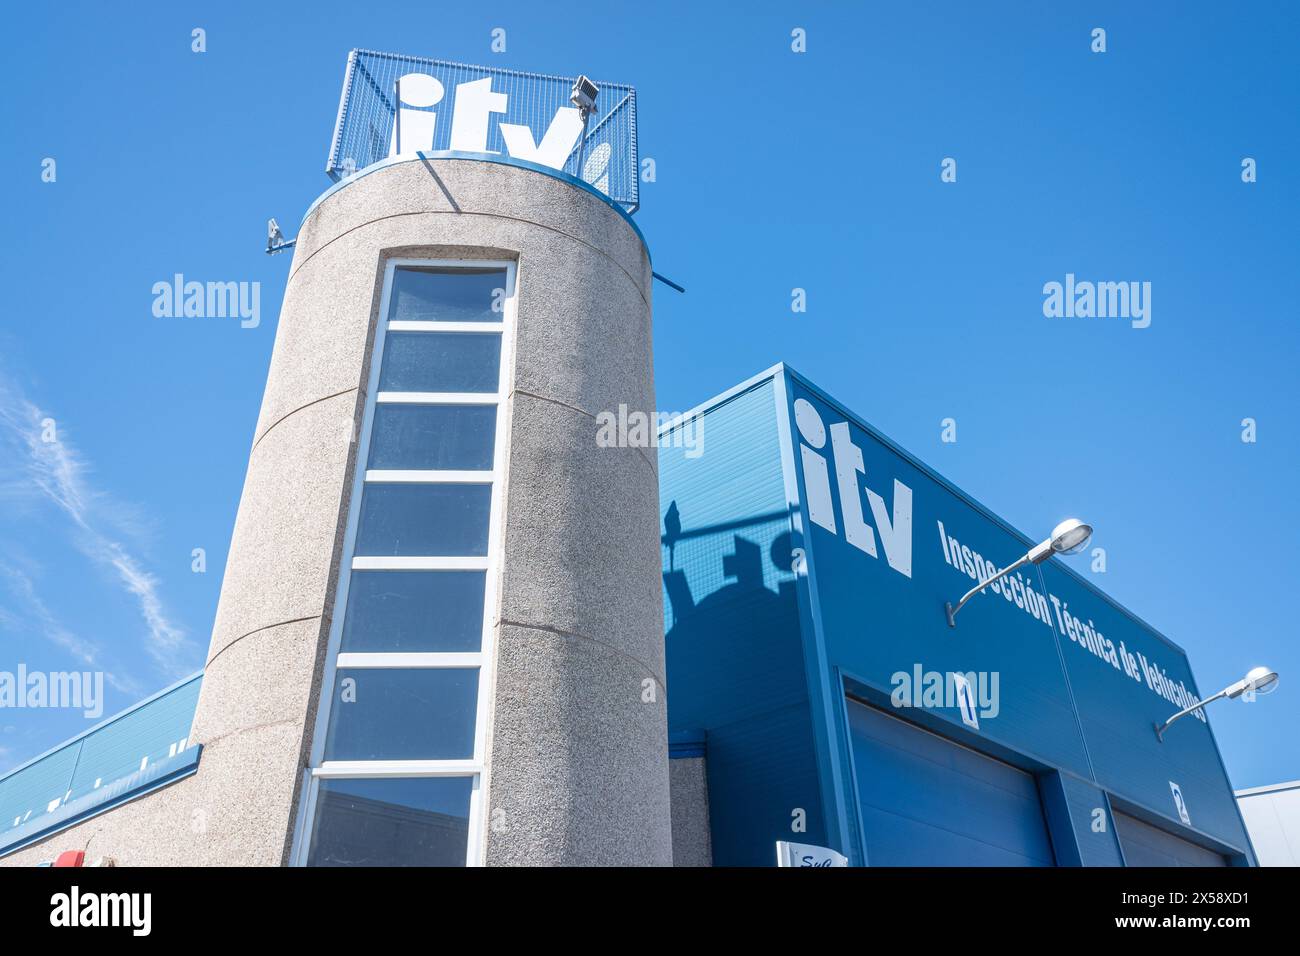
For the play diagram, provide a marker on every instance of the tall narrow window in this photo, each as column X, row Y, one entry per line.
column 397, row 761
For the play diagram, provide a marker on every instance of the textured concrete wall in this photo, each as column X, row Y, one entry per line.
column 578, row 755
column 692, row 844
column 152, row 831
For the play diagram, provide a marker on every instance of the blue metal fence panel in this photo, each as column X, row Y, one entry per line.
column 123, row 745
column 368, row 114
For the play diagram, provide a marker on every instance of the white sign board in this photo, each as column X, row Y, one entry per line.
column 804, row 854
column 1180, row 803
column 966, row 701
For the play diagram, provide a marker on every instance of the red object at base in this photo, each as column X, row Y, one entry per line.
column 71, row 858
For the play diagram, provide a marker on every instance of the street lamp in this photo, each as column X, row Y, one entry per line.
column 1260, row 680
column 1068, row 537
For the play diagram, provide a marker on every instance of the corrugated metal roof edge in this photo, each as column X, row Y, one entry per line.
column 781, row 368
column 197, row 675
column 106, row 798
column 1267, row 788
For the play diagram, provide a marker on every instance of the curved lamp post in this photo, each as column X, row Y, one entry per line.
column 1068, row 537
column 1261, row 680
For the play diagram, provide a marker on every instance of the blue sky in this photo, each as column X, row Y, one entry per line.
column 775, row 171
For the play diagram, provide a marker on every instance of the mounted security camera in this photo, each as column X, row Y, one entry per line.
column 275, row 241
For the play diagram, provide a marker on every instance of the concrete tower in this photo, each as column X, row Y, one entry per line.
column 570, row 760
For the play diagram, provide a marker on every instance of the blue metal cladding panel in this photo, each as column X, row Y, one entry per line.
column 730, row 485
column 735, row 664
column 1115, row 663
column 1145, row 845
column 150, row 731
column 149, row 734
column 28, row 792
column 868, row 609
column 884, row 624
column 1094, row 828
column 1058, row 705
column 927, row 801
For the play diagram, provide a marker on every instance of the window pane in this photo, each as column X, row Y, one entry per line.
column 424, row 520
column 458, row 437
column 432, row 294
column 391, row 822
column 441, row 362
column 414, row 612
column 389, row 713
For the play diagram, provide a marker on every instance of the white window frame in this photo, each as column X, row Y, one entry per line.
column 484, row 659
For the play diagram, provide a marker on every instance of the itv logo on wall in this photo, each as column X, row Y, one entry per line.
column 894, row 529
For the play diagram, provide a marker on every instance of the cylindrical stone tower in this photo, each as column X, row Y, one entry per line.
column 570, row 756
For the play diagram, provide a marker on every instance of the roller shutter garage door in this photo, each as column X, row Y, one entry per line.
column 926, row 801
column 1145, row 845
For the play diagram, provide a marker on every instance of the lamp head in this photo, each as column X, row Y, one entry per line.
column 1262, row 680
column 584, row 94
column 1068, row 537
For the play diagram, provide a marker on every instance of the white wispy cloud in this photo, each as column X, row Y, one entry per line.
column 53, row 469
column 20, row 585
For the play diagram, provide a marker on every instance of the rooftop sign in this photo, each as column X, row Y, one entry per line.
column 479, row 109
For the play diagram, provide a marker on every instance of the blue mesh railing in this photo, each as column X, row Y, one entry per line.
column 363, row 134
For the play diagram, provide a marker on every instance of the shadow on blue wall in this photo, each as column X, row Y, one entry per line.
column 736, row 672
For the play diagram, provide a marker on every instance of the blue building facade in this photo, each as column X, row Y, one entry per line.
column 807, row 562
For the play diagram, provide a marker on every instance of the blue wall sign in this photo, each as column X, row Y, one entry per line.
column 806, row 574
